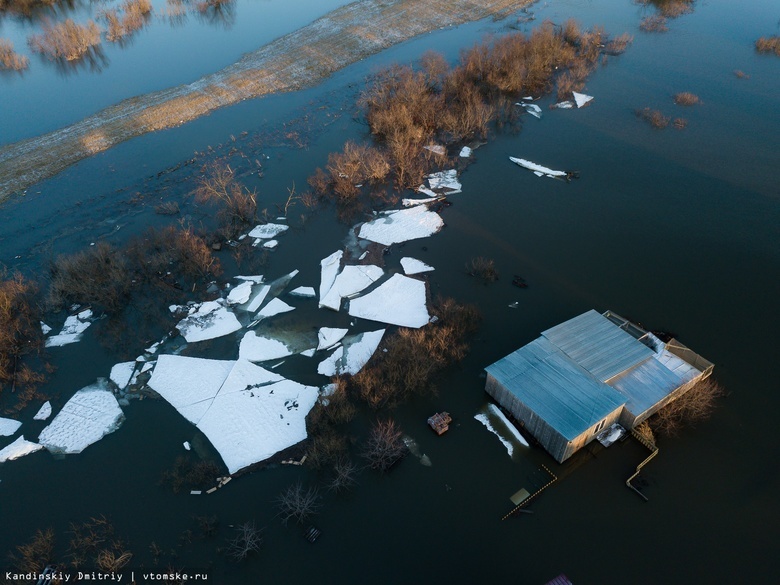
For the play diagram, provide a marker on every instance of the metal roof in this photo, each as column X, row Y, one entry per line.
column 646, row 385
column 598, row 345
column 556, row 388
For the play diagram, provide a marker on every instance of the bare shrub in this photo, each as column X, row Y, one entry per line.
column 163, row 255
column 207, row 525
column 384, row 446
column 297, row 503
column 167, row 208
column 483, row 268
column 355, row 165
column 643, row 430
column 696, row 405
column 680, row 123
column 741, row 74
column 9, row 59
column 669, row 8
column 344, row 472
column 326, row 446
column 94, row 543
column 188, row 475
column 66, row 40
column 111, row 561
column 246, row 542
column 653, row 23
column 131, row 16
column 36, row 554
column 236, row 205
column 653, row 117
column 686, row 98
column 619, row 44
column 769, row 45
column 435, row 68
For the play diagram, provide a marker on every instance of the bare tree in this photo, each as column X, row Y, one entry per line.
column 694, row 406
column 248, row 540
column 384, row 447
column 298, row 503
column 237, row 204
column 344, row 475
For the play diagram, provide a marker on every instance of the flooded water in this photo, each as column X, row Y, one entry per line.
column 676, row 229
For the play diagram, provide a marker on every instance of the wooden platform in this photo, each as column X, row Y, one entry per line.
column 440, row 422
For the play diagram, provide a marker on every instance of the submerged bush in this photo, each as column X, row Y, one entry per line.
column 686, row 98
column 9, row 59
column 669, row 8
column 653, row 24
column 236, row 205
column 483, row 268
column 131, row 16
column 655, row 118
column 66, row 40
column 769, row 45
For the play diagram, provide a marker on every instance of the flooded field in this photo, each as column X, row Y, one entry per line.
column 674, row 228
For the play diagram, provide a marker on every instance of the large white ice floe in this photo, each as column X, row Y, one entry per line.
column 414, row 266
column 399, row 301
column 268, row 231
column 350, row 281
column 446, row 181
column 44, row 411
column 258, row 348
column 329, row 268
column 352, row 355
column 274, row 307
column 209, row 321
column 581, row 99
column 250, row 413
column 503, row 429
column 121, row 374
column 8, row 426
column 240, row 294
column 329, row 336
column 401, row 226
column 538, row 170
column 87, row 417
column 19, row 448
column 303, row 291
column 71, row 332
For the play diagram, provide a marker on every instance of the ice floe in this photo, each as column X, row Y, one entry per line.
column 268, row 231
column 44, row 411
column 19, row 448
column 45, row 328
column 274, row 307
column 581, row 99
column 532, row 109
column 413, row 202
column 445, row 180
column 401, row 226
column 8, row 426
column 399, row 301
column 121, row 374
column 187, row 445
column 329, row 269
column 303, row 291
column 257, row 298
column 350, row 281
column 270, row 244
column 414, row 266
column 538, row 170
column 257, row 279
column 209, row 321
column 258, row 348
column 87, row 417
column 353, row 355
column 72, row 329
column 240, row 294
column 566, row 105
column 329, row 336
column 309, row 352
column 465, row 152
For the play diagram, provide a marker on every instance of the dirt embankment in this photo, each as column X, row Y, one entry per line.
column 295, row 61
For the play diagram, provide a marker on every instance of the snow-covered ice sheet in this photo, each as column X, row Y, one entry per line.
column 399, row 301
column 8, row 426
column 351, row 280
column 210, row 321
column 401, row 226
column 19, row 448
column 240, row 294
column 304, row 291
column 414, row 266
column 329, row 336
column 329, row 268
column 581, row 99
column 258, row 348
column 353, row 355
column 274, row 307
column 268, row 231
column 121, row 374
column 87, row 417
column 44, row 411
column 447, row 180
column 72, row 329
column 539, row 170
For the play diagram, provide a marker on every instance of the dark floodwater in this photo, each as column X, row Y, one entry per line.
column 677, row 229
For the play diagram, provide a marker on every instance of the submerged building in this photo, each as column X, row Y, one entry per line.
column 583, row 375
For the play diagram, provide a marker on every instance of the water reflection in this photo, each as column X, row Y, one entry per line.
column 94, row 61
column 217, row 12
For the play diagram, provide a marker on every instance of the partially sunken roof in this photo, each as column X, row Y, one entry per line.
column 598, row 345
column 556, row 388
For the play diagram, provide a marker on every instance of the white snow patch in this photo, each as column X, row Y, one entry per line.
column 329, row 336
column 567, row 105
column 210, row 321
column 8, row 426
column 258, row 348
column 19, row 448
column 240, row 294
column 465, row 152
column 495, row 410
column 329, row 269
column 303, row 291
column 350, row 281
column 581, row 99
column 436, row 149
column 353, row 355
column 414, row 266
column 270, row 244
column 268, row 231
column 445, row 180
column 45, row 328
column 275, row 307
column 87, row 417
column 539, row 170
column 121, row 374
column 399, row 301
column 401, row 226
column 483, row 418
column 72, row 329
column 44, row 412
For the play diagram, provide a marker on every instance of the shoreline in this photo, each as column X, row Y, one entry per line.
column 295, row 61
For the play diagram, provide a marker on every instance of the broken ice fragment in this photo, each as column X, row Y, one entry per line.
column 399, row 301
column 567, row 105
column 581, row 99
column 413, row 202
column 532, row 109
column 309, row 352
column 270, row 244
column 8, row 426
column 329, row 269
column 19, row 448
column 210, row 321
column 539, row 170
column 401, row 226
column 329, row 336
column 258, row 348
column 414, row 266
column 445, row 180
column 187, row 445
column 240, row 294
column 303, row 291
column 351, row 280
column 275, row 307
column 256, row 279
column 268, row 231
column 44, row 412
column 45, row 328
column 121, row 374
column 72, row 329
column 353, row 355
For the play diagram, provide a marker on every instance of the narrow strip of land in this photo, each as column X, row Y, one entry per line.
column 294, row 61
